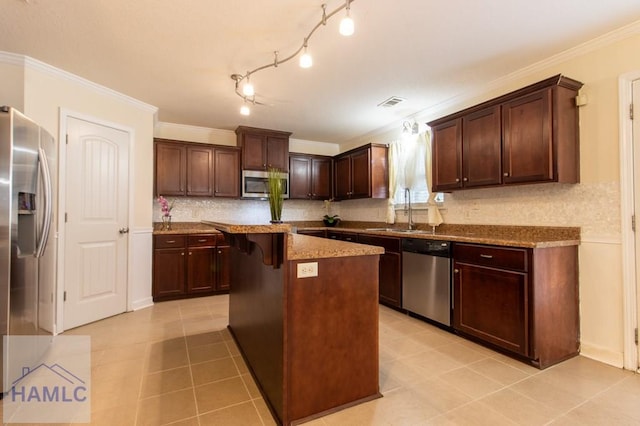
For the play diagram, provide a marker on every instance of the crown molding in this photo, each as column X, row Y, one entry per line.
column 36, row 65
column 195, row 133
column 436, row 110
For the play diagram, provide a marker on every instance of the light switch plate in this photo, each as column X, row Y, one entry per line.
column 306, row 270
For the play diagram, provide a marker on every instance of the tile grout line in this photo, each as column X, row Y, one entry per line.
column 193, row 386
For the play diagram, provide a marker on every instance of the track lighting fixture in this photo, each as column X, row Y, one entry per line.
column 247, row 91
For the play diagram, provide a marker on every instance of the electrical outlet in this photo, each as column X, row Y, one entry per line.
column 306, row 270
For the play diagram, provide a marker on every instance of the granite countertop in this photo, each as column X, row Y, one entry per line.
column 249, row 228
column 299, row 246
column 184, row 228
column 500, row 235
column 306, row 247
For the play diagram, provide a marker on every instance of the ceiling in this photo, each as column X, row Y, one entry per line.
column 179, row 55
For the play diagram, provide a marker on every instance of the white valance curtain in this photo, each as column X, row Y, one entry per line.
column 410, row 162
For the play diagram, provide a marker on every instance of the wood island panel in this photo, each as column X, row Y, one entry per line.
column 331, row 353
column 310, row 343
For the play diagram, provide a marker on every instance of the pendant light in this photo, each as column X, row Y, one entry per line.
column 347, row 27
column 247, row 88
column 306, row 61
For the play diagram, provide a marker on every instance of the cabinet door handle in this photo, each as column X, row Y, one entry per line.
column 457, row 180
column 465, row 179
column 505, row 174
column 170, row 242
column 456, row 270
column 219, row 251
column 486, row 256
column 190, row 253
column 182, row 253
column 203, row 240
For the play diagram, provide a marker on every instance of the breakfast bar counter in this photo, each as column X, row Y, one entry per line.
column 304, row 313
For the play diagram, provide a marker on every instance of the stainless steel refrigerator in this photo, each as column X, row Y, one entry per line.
column 28, row 202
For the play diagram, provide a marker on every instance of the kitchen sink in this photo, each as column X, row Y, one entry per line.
column 402, row 231
column 412, row 231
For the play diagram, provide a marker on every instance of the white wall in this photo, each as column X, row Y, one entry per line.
column 12, row 78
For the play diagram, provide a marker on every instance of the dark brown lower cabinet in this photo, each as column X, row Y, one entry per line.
column 522, row 300
column 189, row 266
column 168, row 273
column 389, row 270
column 491, row 304
column 201, row 263
column 223, row 279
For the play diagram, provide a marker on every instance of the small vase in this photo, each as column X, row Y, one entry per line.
column 166, row 223
column 276, row 221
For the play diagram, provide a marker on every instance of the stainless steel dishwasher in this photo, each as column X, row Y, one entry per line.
column 426, row 278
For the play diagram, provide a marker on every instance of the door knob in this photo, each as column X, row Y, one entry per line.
column 124, row 230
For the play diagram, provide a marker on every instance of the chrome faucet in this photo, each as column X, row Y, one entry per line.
column 407, row 208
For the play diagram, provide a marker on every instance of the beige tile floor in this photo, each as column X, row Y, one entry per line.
column 175, row 363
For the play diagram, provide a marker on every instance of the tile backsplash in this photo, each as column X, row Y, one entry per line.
column 594, row 207
column 192, row 209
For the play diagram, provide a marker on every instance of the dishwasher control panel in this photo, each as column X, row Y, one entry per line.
column 423, row 246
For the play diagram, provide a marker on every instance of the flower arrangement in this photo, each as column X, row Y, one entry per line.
column 330, row 219
column 165, row 206
column 166, row 212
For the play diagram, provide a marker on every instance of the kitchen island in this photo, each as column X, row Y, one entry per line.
column 304, row 313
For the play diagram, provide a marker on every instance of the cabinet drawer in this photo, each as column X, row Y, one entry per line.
column 343, row 236
column 169, row 241
column 389, row 244
column 497, row 257
column 208, row 240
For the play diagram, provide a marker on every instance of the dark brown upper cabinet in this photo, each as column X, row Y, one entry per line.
column 263, row 149
column 526, row 136
column 310, row 177
column 196, row 170
column 362, row 173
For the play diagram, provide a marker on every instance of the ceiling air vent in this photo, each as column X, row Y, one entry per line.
column 392, row 101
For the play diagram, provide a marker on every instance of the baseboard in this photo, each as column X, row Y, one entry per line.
column 142, row 303
column 601, row 354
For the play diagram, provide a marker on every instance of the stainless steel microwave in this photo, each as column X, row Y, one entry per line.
column 255, row 184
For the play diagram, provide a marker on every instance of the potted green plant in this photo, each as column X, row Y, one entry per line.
column 276, row 191
column 330, row 219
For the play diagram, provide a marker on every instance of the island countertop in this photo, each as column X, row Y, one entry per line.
column 306, row 247
column 300, row 246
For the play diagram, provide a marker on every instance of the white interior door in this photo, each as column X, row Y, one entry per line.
column 96, row 242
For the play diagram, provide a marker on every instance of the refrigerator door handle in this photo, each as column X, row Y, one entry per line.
column 48, row 205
